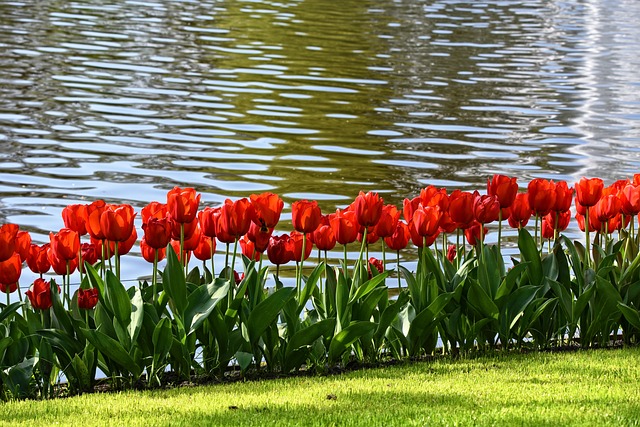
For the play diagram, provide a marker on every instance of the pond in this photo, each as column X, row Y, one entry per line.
column 123, row 100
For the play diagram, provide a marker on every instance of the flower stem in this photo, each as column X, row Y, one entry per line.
column 586, row 232
column 398, row 269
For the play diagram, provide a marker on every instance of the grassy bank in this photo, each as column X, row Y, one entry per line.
column 597, row 387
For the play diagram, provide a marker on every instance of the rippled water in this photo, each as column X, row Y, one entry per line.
column 122, row 100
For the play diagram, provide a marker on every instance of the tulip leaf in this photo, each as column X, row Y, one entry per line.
column 119, row 299
column 202, row 301
column 631, row 314
column 162, row 341
column 267, row 312
column 97, row 282
column 137, row 315
column 509, row 281
column 61, row 340
column 310, row 285
column 367, row 287
column 518, row 302
column 343, row 339
column 426, row 320
column 174, row 283
column 390, row 313
column 113, row 350
column 9, row 310
column 304, row 338
column 529, row 252
column 479, row 300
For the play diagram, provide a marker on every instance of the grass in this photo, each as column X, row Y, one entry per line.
column 596, row 387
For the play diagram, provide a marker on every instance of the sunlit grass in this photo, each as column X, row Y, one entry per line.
column 597, row 387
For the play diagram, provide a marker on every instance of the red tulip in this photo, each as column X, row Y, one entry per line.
column 542, row 196
column 345, row 226
column 65, row 244
column 205, row 249
column 157, row 232
column 116, row 222
column 305, row 216
column 235, row 217
column 267, row 207
column 425, row 221
column 87, row 298
column 40, row 295
column 520, row 212
column 176, row 248
column 90, row 253
column 461, row 208
column 503, row 188
column 249, row 249
column 432, row 196
column 446, row 224
column 208, row 217
column 10, row 270
column 375, row 263
column 279, row 251
column 94, row 212
column 37, row 259
column 451, row 252
column 419, row 240
column 75, row 218
column 295, row 246
column 126, row 246
column 59, row 265
column 182, row 204
column 148, row 253
column 8, row 234
column 372, row 237
column 388, row 220
column 154, row 210
column 259, row 236
column 564, row 197
column 589, row 191
column 563, row 220
column 607, row 207
column 409, row 206
column 324, row 238
column 188, row 228
column 106, row 248
column 23, row 243
column 473, row 233
column 486, row 209
column 630, row 199
column 400, row 237
column 191, row 243
column 368, row 208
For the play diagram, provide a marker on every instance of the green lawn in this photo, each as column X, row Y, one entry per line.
column 582, row 388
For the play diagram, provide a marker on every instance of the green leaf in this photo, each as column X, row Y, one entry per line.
column 7, row 311
column 304, row 338
column 518, row 302
column 425, row 322
column 118, row 299
column 478, row 298
column 343, row 339
column 529, row 252
column 202, row 301
column 244, row 360
column 162, row 341
column 510, row 280
column 631, row 314
column 310, row 285
column 113, row 350
column 266, row 313
column 390, row 313
column 367, row 287
column 174, row 283
column 137, row 315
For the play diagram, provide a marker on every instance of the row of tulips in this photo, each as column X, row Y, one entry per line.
column 197, row 321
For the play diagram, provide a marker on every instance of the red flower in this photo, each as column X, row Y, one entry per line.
column 259, row 237
column 182, row 204
column 503, row 188
column 37, row 259
column 75, row 218
column 486, row 209
column 372, row 237
column 205, row 249
column 116, row 222
column 10, row 270
column 451, row 252
column 65, row 244
column 400, row 237
column 176, row 248
column 425, row 221
column 153, row 210
column 520, row 211
column 105, row 247
column 279, row 251
column 187, row 227
column 295, row 246
column 446, row 224
column 90, row 253
column 268, row 207
column 324, row 238
column 432, row 196
column 473, row 233
column 8, row 234
column 125, row 247
column 375, row 263
column 345, row 226
column 563, row 220
column 388, row 220
column 589, row 191
column 59, row 265
column 192, row 242
column 87, row 298
column 630, row 199
column 208, row 217
column 409, row 206
column 157, row 232
column 94, row 212
column 542, row 196
column 419, row 240
column 368, row 208
column 461, row 208
column 249, row 249
column 564, row 197
column 235, row 217
column 23, row 242
column 607, row 207
column 148, row 253
column 40, row 294
column 305, row 216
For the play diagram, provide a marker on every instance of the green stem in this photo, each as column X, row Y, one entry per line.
column 344, row 266
column 326, row 263
column 500, row 228
column 398, row 269
column 213, row 266
column 155, row 276
column 226, row 261
column 299, row 272
column 183, row 258
column 586, row 232
column 117, row 256
column 68, row 285
column 535, row 236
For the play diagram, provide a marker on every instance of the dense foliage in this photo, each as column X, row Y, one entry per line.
column 195, row 322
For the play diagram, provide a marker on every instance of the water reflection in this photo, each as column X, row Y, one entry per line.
column 124, row 100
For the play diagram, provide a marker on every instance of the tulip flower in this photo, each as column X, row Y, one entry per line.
column 10, row 270
column 503, row 188
column 305, row 216
column 149, row 253
column 296, row 247
column 475, row 233
column 279, row 252
column 259, row 236
column 94, row 212
column 409, row 206
column 461, row 208
column 205, row 249
column 8, row 233
column 267, row 207
column 425, row 221
column 607, row 208
column 542, row 199
column 324, row 238
column 182, row 204
column 486, row 209
column 388, row 219
column 249, row 249
column 520, row 211
column 65, row 244
column 451, row 252
column 376, row 264
column 87, row 298
column 589, row 191
column 154, row 210
column 563, row 198
column 630, row 199
column 90, row 253
column 23, row 243
column 39, row 295
column 116, row 222
column 208, row 217
column 37, row 259
column 368, row 208
column 75, row 218
column 157, row 232
column 400, row 237
column 344, row 226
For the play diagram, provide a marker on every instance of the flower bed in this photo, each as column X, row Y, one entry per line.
column 190, row 321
